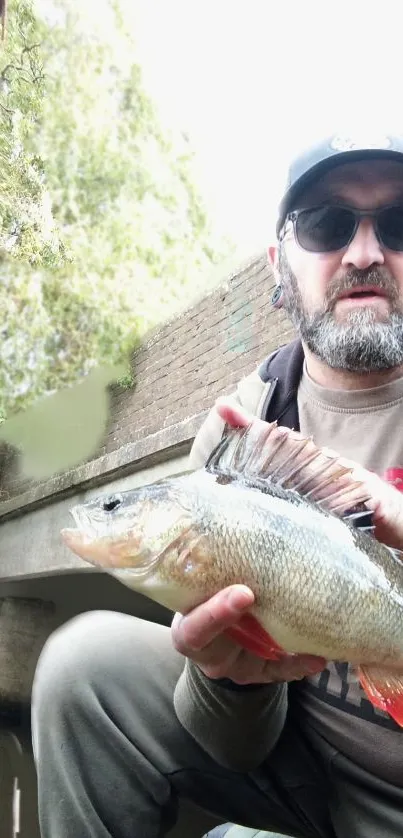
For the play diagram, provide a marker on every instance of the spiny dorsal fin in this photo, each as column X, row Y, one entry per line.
column 273, row 455
column 362, row 520
column 395, row 552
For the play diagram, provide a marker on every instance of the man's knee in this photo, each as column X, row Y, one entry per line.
column 103, row 675
column 96, row 649
column 72, row 652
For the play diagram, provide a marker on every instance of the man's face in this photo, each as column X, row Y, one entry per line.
column 357, row 333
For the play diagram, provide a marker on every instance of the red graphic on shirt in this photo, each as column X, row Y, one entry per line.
column 338, row 685
column 394, row 476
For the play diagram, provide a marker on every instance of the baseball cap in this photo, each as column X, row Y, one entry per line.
column 314, row 161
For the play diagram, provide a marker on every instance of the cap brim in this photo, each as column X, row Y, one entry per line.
column 291, row 196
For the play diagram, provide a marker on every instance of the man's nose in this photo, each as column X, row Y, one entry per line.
column 365, row 249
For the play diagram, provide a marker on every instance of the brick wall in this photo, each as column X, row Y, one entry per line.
column 203, row 352
column 187, row 362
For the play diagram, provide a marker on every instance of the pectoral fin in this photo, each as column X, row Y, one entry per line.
column 253, row 637
column 384, row 689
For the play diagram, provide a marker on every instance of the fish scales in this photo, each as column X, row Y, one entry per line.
column 312, row 569
column 275, row 513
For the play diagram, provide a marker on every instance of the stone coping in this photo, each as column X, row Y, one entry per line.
column 172, row 441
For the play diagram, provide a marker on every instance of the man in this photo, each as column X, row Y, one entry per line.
column 128, row 716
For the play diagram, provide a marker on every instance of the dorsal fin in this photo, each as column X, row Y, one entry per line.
column 267, row 454
column 362, row 520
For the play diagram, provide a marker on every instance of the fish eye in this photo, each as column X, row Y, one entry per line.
column 111, row 503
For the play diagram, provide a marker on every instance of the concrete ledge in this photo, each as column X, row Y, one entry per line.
column 173, row 441
column 31, row 546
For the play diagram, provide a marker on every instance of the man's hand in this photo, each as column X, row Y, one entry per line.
column 386, row 503
column 199, row 635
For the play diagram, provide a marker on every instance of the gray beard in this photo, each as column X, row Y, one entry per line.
column 361, row 343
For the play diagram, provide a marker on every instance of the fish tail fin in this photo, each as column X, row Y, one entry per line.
column 384, row 690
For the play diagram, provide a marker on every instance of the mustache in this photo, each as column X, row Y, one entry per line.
column 355, row 279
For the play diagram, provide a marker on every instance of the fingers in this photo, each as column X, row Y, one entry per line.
column 293, row 668
column 386, row 503
column 247, row 669
column 219, row 659
column 233, row 414
column 203, row 624
column 199, row 636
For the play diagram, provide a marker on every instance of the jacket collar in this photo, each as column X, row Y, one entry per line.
column 284, row 370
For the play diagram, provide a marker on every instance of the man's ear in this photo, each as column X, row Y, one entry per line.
column 272, row 252
column 277, row 296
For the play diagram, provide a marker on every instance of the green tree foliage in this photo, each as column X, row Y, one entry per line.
column 103, row 232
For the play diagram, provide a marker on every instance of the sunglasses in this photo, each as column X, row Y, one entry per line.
column 330, row 228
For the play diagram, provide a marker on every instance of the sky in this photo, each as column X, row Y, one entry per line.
column 252, row 81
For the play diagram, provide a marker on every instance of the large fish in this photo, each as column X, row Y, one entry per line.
column 274, row 512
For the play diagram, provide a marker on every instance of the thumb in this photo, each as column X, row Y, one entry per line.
column 234, row 415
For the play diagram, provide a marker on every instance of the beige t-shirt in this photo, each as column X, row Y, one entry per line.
column 365, row 426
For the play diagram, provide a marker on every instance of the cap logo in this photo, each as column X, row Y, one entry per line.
column 340, row 143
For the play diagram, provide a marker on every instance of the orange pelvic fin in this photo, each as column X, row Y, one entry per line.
column 253, row 637
column 384, row 690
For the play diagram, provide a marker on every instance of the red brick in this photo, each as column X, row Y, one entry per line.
column 183, row 365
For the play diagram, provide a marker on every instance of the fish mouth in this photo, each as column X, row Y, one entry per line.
column 111, row 554
column 96, row 523
column 97, row 540
column 82, row 520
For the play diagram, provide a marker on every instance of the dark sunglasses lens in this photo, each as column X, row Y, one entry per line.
column 324, row 229
column 390, row 228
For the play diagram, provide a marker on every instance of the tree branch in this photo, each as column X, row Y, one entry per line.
column 28, row 49
column 18, row 68
column 3, row 16
column 28, row 81
column 6, row 110
column 7, row 67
